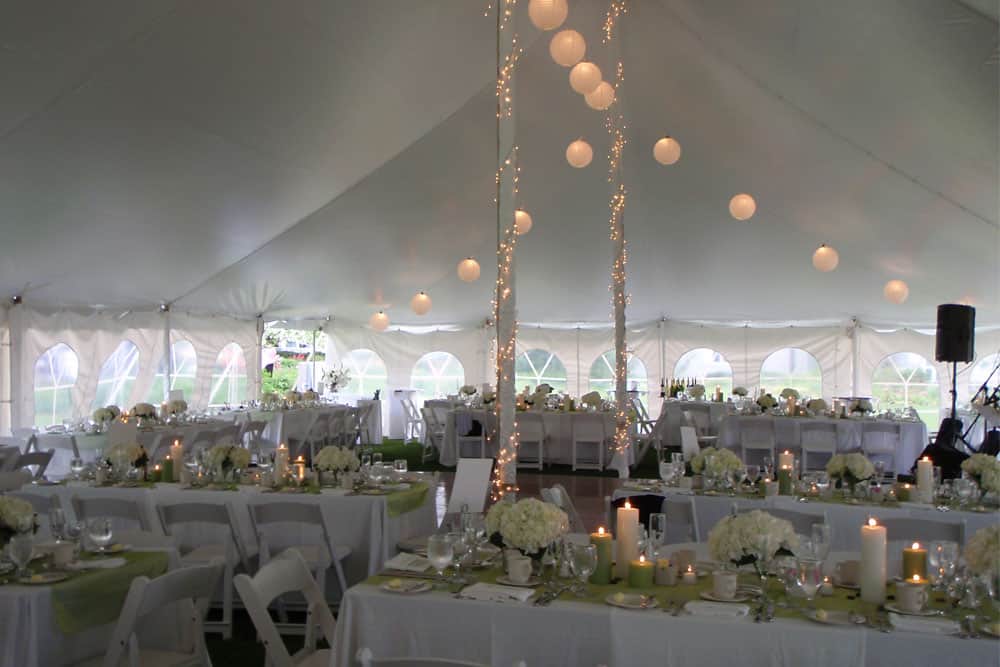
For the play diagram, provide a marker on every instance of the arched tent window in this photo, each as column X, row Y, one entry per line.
column 55, row 374
column 602, row 375
column 114, row 384
column 792, row 367
column 368, row 373
column 185, row 363
column 436, row 375
column 904, row 380
column 229, row 377
column 709, row 367
column 535, row 367
column 981, row 371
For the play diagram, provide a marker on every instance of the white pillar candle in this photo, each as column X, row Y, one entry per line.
column 925, row 480
column 873, row 556
column 627, row 539
column 281, row 462
column 177, row 456
column 786, row 460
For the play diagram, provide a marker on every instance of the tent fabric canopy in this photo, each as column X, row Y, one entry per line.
column 313, row 158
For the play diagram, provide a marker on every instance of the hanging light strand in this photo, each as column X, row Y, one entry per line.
column 617, row 8
column 506, row 11
column 505, row 77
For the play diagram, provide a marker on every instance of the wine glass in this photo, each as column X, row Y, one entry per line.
column 583, row 562
column 439, row 553
column 460, row 546
column 57, row 523
column 377, row 459
column 666, row 472
column 20, row 547
column 753, row 473
column 76, row 466
column 100, row 533
column 657, row 531
column 768, row 467
column 400, row 466
column 809, row 577
column 73, row 531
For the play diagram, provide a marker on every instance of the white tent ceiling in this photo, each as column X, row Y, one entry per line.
column 311, row 157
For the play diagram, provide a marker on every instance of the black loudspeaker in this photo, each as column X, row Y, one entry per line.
column 956, row 326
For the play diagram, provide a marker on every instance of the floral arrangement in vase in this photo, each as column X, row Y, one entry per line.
column 489, row 397
column 766, row 402
column 292, row 397
column 982, row 552
column 716, row 464
column 862, row 406
column 336, row 378
column 592, row 398
column 468, row 390
column 751, row 538
column 177, row 407
column 336, row 459
column 816, row 405
column 789, row 392
column 310, row 395
column 134, row 454
column 740, row 391
column 143, row 411
column 697, row 391
column 849, row 469
column 227, row 458
column 529, row 525
column 985, row 470
column 106, row 415
column 16, row 516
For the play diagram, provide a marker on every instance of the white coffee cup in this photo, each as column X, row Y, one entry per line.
column 724, row 585
column 519, row 569
column 911, row 597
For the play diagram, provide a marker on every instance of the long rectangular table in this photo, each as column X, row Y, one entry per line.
column 369, row 525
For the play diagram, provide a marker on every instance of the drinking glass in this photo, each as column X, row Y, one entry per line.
column 753, row 473
column 76, row 466
column 666, row 472
column 100, row 533
column 20, row 547
column 657, row 530
column 57, row 523
column 768, row 467
column 439, row 553
column 366, row 459
column 822, row 534
column 460, row 546
column 377, row 458
column 947, row 557
column 400, row 466
column 583, row 562
column 809, row 577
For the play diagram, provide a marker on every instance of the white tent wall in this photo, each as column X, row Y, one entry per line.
column 209, row 334
column 4, row 372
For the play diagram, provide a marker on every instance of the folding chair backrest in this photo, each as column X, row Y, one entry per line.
column 227, row 435
column 587, row 426
column 270, row 523
column 681, row 513
column 124, row 509
column 756, row 430
column 39, row 460
column 531, row 426
column 689, row 442
column 253, row 431
column 9, row 456
column 818, row 433
column 180, row 514
column 122, row 433
column 14, row 441
column 924, row 530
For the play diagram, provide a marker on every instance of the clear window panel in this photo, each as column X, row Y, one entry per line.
column 368, row 373
column 602, row 376
column 55, row 374
column 229, row 377
column 436, row 375
column 185, row 362
column 535, row 367
column 708, row 367
column 114, row 384
column 907, row 380
column 795, row 368
column 981, row 372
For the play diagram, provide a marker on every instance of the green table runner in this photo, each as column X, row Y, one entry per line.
column 401, row 502
column 95, row 597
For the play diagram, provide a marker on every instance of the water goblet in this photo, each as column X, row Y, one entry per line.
column 57, row 523
column 99, row 531
column 400, row 466
column 809, row 577
column 439, row 553
column 460, row 546
column 76, row 466
column 753, row 473
column 377, row 459
column 821, row 536
column 657, row 530
column 19, row 549
column 583, row 562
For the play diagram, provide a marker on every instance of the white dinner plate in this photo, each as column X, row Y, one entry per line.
column 923, row 612
column 43, row 578
column 831, row 618
column 632, row 601
column 706, row 595
column 407, row 586
column 503, row 579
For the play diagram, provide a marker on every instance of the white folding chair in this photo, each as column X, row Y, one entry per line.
column 531, row 438
column 681, row 515
column 23, row 444
column 468, row 445
column 229, row 550
column 757, row 436
column 189, row 587
column 127, row 513
column 367, row 659
column 817, row 438
column 38, row 461
column 880, row 441
column 643, row 424
column 413, row 428
column 252, row 435
column 689, row 442
column 272, row 523
column 287, row 573
column 558, row 496
column 590, row 440
column 227, row 435
column 361, row 418
column 655, row 439
column 434, row 433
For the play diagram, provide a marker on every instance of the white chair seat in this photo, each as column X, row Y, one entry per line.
column 204, row 554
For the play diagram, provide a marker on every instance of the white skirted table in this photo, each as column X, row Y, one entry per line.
column 580, row 634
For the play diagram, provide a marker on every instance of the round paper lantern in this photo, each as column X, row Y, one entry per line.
column 602, row 97
column 579, row 154
column 742, row 206
column 547, row 14
column 567, row 47
column 379, row 321
column 468, row 270
column 420, row 303
column 522, row 222
column 896, row 291
column 825, row 258
column 584, row 77
column 667, row 150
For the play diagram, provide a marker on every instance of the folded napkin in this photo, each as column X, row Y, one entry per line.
column 716, row 609
column 496, row 593
column 924, row 624
column 408, row 563
column 97, row 564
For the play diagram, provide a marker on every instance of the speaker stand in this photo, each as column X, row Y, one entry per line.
column 954, row 390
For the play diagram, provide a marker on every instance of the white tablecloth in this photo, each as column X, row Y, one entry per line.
column 674, row 411
column 29, row 636
column 359, row 522
column 787, row 435
column 577, row 634
column 293, row 422
column 845, row 520
column 558, row 428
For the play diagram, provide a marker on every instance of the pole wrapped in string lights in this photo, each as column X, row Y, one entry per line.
column 504, row 431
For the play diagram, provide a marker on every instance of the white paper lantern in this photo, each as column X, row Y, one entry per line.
column 579, row 154
column 825, row 258
column 547, row 14
column 420, row 303
column 742, row 206
column 567, row 47
column 522, row 222
column 667, row 150
column 468, row 270
column 379, row 321
column 584, row 77
column 602, row 97
column 896, row 291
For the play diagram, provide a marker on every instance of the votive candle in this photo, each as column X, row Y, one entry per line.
column 602, row 542
column 915, row 561
column 640, row 573
column 167, row 469
column 873, row 546
column 177, row 454
column 925, row 480
column 627, row 537
column 690, row 576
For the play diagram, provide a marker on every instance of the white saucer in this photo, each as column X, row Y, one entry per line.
column 530, row 583
column 923, row 612
column 739, row 598
column 408, row 587
column 832, row 617
column 632, row 601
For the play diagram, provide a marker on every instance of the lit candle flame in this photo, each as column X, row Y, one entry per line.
column 628, row 505
column 916, row 545
column 916, row 578
column 600, row 531
column 690, row 569
column 642, row 559
column 872, row 522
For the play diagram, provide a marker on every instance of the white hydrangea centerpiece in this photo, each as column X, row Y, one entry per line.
column 697, row 390
column 489, row 397
column 224, row 458
column 982, row 553
column 766, row 402
column 850, row 468
column 862, row 405
column 144, row 411
column 529, row 525
column 716, row 462
column 336, row 378
column 16, row 516
column 789, row 392
column 292, row 397
column 134, row 454
column 740, row 391
column 177, row 407
column 336, row 459
column 310, row 395
column 591, row 398
column 102, row 416
column 751, row 538
column 816, row 405
column 468, row 390
column 985, row 469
